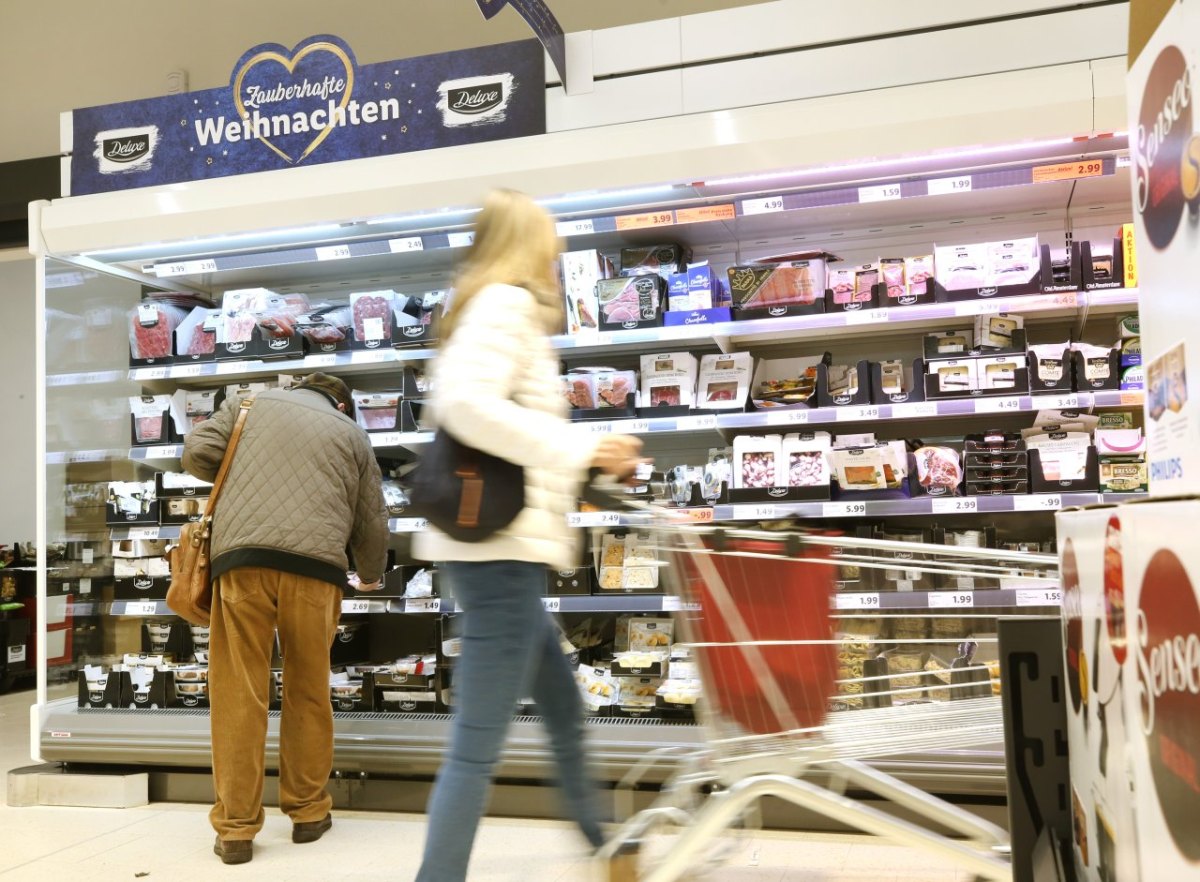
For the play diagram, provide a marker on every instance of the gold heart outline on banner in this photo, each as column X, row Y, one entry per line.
column 290, row 65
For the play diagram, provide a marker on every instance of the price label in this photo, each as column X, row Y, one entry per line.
column 1135, row 397
column 599, row 428
column 575, row 228
column 705, row 213
column 698, row 515
column 151, row 373
column 423, row 605
column 187, row 370
column 1057, row 402
column 333, row 252
column 955, row 505
column 85, row 586
column 594, row 519
column 385, row 439
column 1124, row 161
column 762, row 206
column 867, row 316
column 1039, row 597
column 552, row 604
column 1010, row 404
column 856, row 600
column 148, row 608
column 408, row 525
column 143, row 532
column 843, row 509
column 184, row 268
column 951, row 599
column 403, row 246
column 328, row 359
column 1068, row 171
column 355, row 606
column 856, row 414
column 762, row 512
column 642, row 221
column 978, row 307
column 1038, row 502
column 633, row 427
column 230, row 367
column 461, row 240
column 168, row 451
column 942, row 186
column 81, row 456
column 880, row 193
column 786, row 417
column 1067, row 299
column 914, row 410
column 372, row 356
column 697, row 423
column 88, row 556
column 671, row 603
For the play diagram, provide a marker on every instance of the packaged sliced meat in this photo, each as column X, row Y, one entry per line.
column 939, row 470
column 239, row 313
column 668, row 380
column 757, row 462
column 196, row 335
column 331, row 324
column 806, row 458
column 280, row 317
column 151, row 326
column 664, row 260
column 724, row 380
column 753, row 287
column 395, row 497
column 917, row 272
column 578, row 391
column 150, row 424
column 372, row 315
column 635, row 299
column 377, row 411
column 613, row 388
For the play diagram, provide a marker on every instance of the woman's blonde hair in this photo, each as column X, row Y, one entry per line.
column 515, row 244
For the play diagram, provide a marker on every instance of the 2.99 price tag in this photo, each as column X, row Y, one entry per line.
column 955, row 505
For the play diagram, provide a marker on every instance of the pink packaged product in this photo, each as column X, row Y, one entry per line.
column 891, row 270
column 239, row 314
column 151, row 326
column 614, row 388
column 579, row 391
column 917, row 273
column 939, row 470
column 377, row 411
column 758, row 462
column 150, row 418
column 372, row 314
column 197, row 334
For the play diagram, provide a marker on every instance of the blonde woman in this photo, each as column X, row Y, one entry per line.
column 496, row 389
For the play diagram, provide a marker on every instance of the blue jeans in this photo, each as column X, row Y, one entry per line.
column 510, row 649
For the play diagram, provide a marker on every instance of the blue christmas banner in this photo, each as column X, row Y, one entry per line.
column 308, row 105
column 541, row 19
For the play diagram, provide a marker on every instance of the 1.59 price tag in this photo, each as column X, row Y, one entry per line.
column 1039, row 597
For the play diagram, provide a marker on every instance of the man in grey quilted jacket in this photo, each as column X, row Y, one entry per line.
column 303, row 487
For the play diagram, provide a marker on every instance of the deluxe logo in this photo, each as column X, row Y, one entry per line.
column 278, row 343
column 987, row 292
column 235, row 348
column 777, row 311
column 413, row 330
column 477, row 100
column 1168, row 687
column 126, row 150
column 778, row 492
column 372, row 344
column 474, row 101
column 408, row 705
column 1166, row 150
column 143, row 583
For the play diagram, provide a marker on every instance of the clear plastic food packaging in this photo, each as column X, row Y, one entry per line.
column 372, row 315
column 377, row 411
column 152, row 325
column 939, row 470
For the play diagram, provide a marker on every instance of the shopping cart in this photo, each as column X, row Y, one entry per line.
column 758, row 621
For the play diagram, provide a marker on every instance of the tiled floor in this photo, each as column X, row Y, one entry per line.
column 174, row 842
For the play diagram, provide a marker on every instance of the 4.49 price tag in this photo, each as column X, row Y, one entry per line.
column 1007, row 404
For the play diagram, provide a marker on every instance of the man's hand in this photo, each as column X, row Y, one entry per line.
column 353, row 581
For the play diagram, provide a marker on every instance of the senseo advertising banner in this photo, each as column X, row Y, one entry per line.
column 1164, row 140
column 1131, row 614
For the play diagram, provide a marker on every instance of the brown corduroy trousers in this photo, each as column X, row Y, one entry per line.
column 249, row 603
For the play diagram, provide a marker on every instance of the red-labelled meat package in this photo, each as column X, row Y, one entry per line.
column 939, row 470
column 373, row 316
column 151, row 327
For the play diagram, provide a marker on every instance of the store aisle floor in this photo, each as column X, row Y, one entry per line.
column 173, row 843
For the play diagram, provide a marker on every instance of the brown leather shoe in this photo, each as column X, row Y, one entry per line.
column 234, row 851
column 311, row 831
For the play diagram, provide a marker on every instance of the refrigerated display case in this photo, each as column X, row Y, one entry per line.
column 734, row 186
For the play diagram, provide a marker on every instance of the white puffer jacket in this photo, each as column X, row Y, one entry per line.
column 496, row 389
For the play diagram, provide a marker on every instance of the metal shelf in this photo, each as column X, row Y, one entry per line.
column 362, row 360
column 145, row 532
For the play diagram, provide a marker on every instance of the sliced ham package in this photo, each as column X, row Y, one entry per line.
column 377, row 411
column 196, row 335
column 797, row 283
column 724, row 381
column 668, row 380
column 150, row 425
column 630, row 300
column 239, row 314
